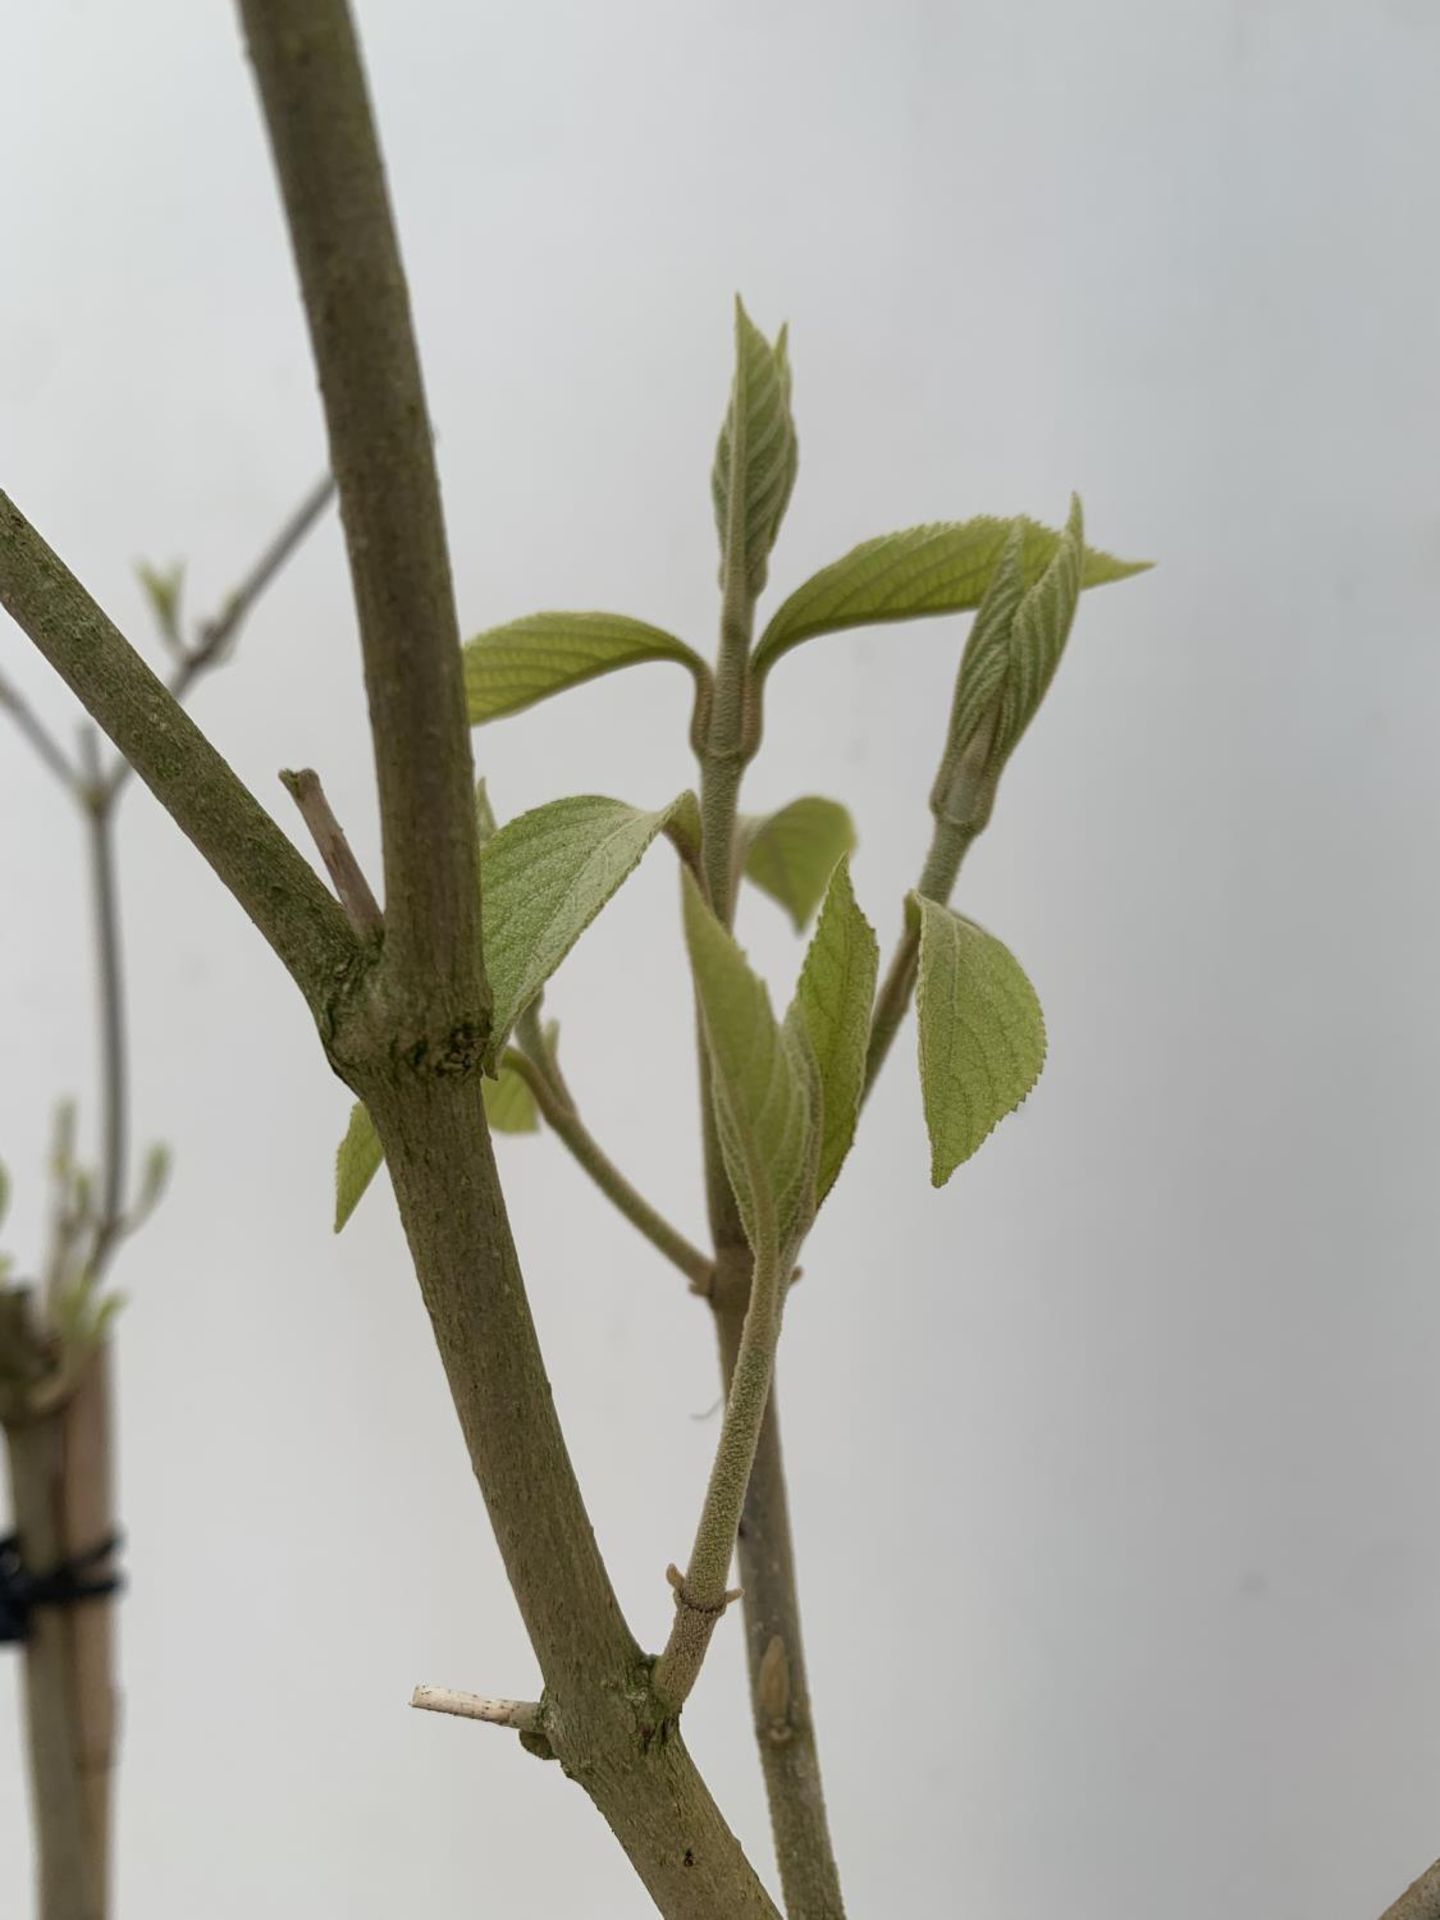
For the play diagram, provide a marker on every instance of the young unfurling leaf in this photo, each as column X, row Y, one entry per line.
column 164, row 587
column 511, row 667
column 764, row 1084
column 942, row 568
column 832, row 1003
column 791, row 854
column 982, row 1034
column 757, row 456
column 1009, row 661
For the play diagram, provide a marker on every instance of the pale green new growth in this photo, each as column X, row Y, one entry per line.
column 791, row 854
column 982, row 1034
column 511, row 667
column 758, row 436
column 356, row 1163
column 509, row 1103
column 832, row 1004
column 545, row 875
column 509, row 1108
column 763, row 1076
column 163, row 589
column 943, row 568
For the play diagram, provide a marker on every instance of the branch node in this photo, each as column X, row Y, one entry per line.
column 686, row 1602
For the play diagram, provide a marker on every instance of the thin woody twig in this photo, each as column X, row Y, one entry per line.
column 114, row 1079
column 560, row 1115
column 522, row 1715
column 39, row 736
column 218, row 634
column 344, row 869
column 268, row 876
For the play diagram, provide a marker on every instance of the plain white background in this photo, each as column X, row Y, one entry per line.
column 1115, row 1464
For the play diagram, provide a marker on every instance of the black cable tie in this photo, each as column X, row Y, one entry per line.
column 67, row 1585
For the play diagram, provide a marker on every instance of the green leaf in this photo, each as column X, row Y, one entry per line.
column 509, row 1104
column 757, row 455
column 356, row 1164
column 942, row 568
column 982, row 1034
column 791, row 854
column 163, row 589
column 4, row 1193
column 832, row 1002
column 545, row 876
column 511, row 667
column 509, row 1108
column 763, row 1081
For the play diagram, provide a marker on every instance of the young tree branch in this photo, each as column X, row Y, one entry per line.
column 218, row 635
column 114, row 1078
column 38, row 734
column 424, row 1090
column 701, row 1594
column 948, row 846
column 775, row 1649
column 560, row 1116
column 1420, row 1901
column 193, row 783
column 361, row 908
column 322, row 136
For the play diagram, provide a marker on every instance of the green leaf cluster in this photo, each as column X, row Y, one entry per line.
column 787, row 1093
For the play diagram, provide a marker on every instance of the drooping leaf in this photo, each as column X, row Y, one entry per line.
column 764, row 1084
column 791, row 854
column 757, row 455
column 832, row 1002
column 982, row 1034
column 4, row 1193
column 357, row 1162
column 544, row 877
column 509, row 1108
column 941, row 568
column 509, row 1103
column 511, row 667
